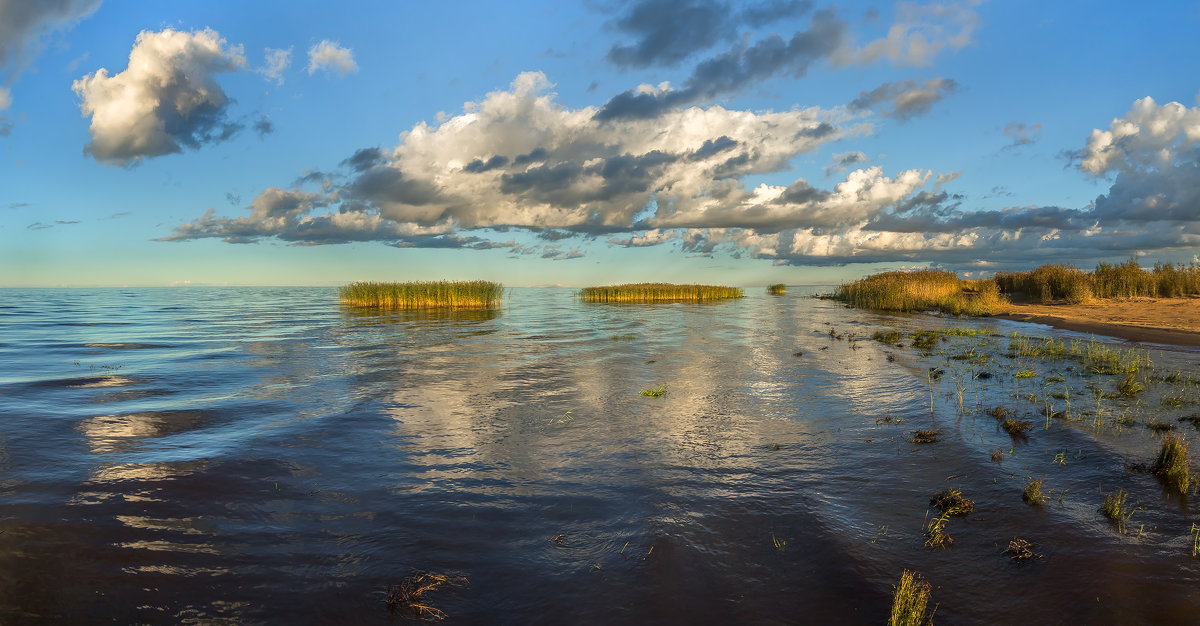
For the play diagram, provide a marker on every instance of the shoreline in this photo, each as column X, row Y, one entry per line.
column 1170, row 321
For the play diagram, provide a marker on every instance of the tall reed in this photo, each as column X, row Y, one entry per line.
column 917, row 291
column 475, row 294
column 658, row 292
column 1050, row 283
column 910, row 600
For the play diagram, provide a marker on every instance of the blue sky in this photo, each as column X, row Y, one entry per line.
column 271, row 143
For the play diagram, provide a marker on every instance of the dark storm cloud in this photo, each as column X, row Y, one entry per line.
column 385, row 184
column 667, row 32
column 711, row 147
column 731, row 71
column 23, row 24
column 477, row 166
column 800, row 192
column 263, row 126
column 906, row 99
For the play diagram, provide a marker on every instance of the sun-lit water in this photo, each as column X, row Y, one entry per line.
column 264, row 455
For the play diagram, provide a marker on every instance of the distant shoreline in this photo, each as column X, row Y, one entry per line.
column 1171, row 321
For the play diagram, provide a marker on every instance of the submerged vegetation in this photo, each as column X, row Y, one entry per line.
column 658, row 292
column 474, row 294
column 919, row 291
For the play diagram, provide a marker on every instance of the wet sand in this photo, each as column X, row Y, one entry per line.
column 1172, row 321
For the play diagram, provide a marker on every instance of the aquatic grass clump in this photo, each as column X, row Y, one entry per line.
column 1115, row 509
column 655, row 392
column 408, row 595
column 950, row 501
column 925, row 436
column 473, row 294
column 658, row 292
column 778, row 289
column 935, row 533
column 910, row 601
column 1016, row 427
column 1032, row 495
column 1020, row 549
column 891, row 337
column 921, row 290
column 1172, row 466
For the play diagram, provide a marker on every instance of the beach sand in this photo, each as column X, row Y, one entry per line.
column 1173, row 321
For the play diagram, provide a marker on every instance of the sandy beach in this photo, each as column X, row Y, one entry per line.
column 1173, row 321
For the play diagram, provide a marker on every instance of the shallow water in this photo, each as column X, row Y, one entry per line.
column 265, row 456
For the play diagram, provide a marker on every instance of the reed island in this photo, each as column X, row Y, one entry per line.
column 455, row 295
column 658, row 292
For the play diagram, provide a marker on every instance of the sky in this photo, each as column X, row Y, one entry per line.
column 147, row 143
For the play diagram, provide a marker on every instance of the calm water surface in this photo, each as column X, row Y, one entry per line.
column 256, row 455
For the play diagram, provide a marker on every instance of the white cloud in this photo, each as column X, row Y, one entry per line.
column 1149, row 136
column 919, row 33
column 166, row 99
column 517, row 159
column 5, row 98
column 331, row 57
column 276, row 63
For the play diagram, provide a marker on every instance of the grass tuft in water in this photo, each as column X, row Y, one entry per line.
column 1020, row 549
column 891, row 337
column 1032, row 495
column 1016, row 427
column 408, row 596
column 1115, row 509
column 655, row 392
column 925, row 436
column 777, row 289
column 910, row 601
column 658, row 292
column 951, row 502
column 1172, row 466
column 474, row 294
column 1129, row 387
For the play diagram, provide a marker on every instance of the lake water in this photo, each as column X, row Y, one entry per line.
column 263, row 455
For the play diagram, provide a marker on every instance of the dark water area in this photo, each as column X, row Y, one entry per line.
column 263, row 455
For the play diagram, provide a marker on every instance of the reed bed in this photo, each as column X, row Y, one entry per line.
column 921, row 290
column 777, row 289
column 1065, row 283
column 1048, row 283
column 474, row 294
column 658, row 292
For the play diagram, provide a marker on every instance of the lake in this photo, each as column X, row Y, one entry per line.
column 264, row 455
